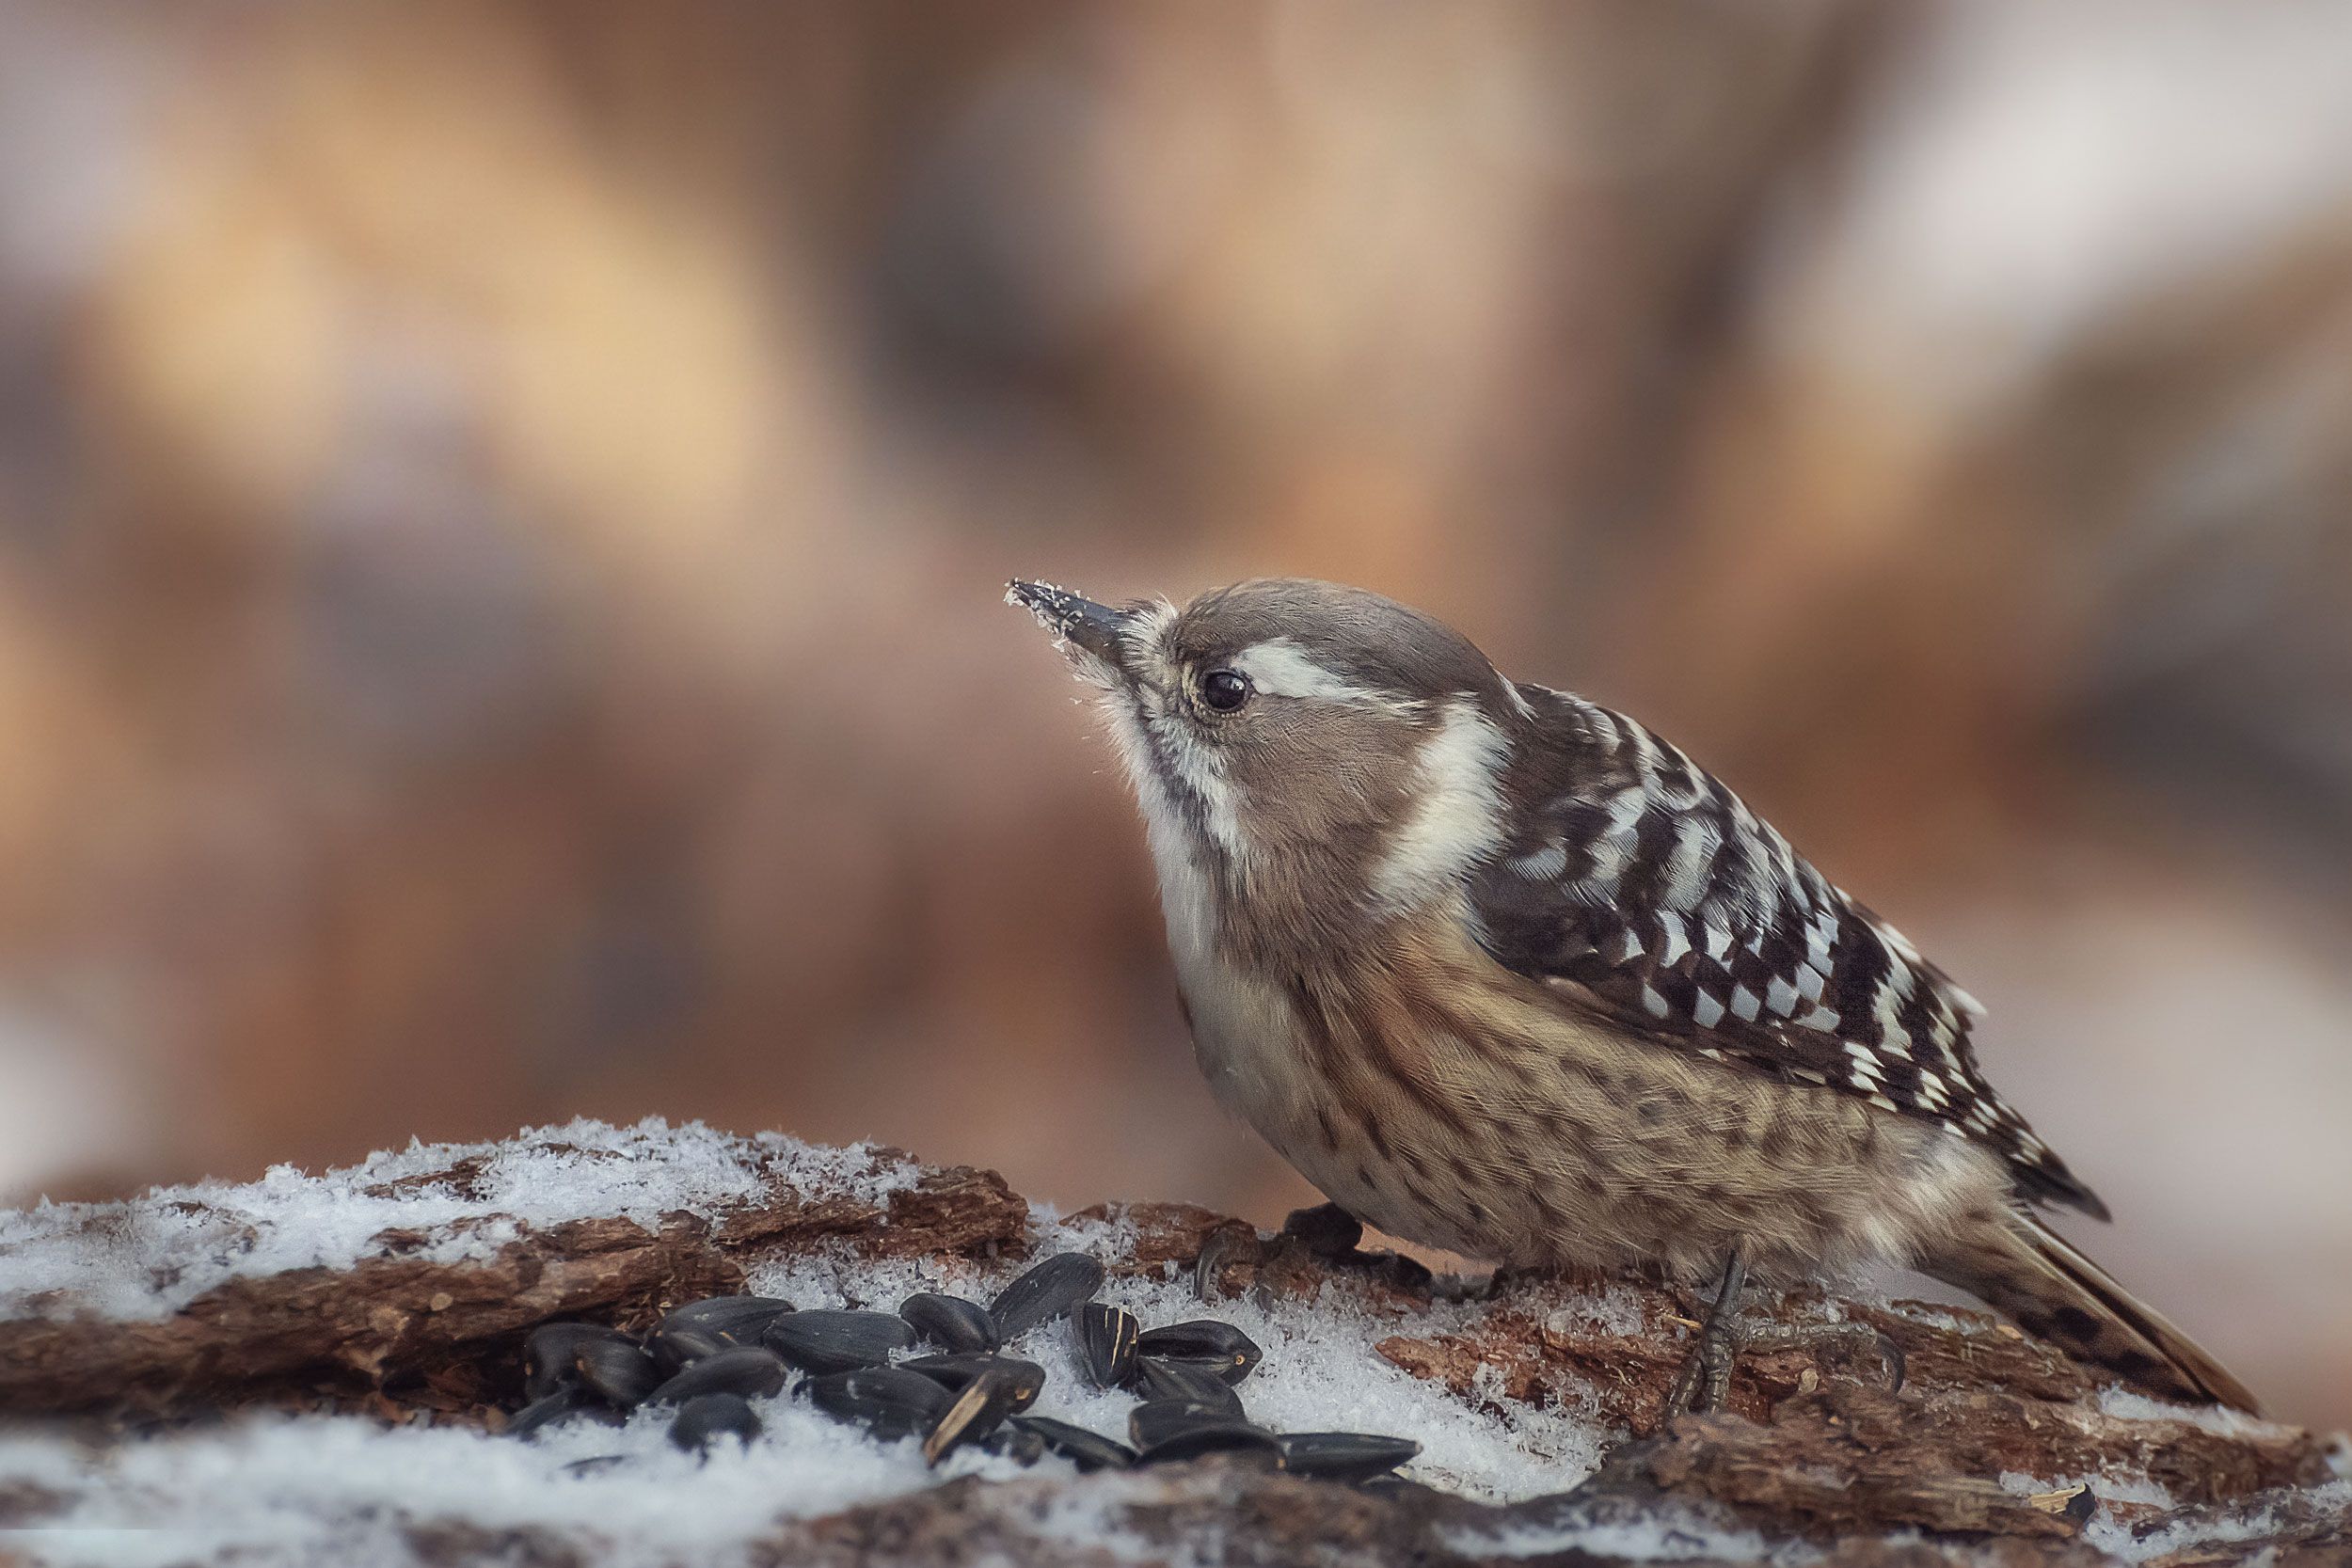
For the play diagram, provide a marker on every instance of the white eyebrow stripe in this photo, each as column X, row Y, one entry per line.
column 1280, row 667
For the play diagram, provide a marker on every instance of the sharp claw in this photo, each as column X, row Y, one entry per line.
column 1897, row 1364
column 1705, row 1380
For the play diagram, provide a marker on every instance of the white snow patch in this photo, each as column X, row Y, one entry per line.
column 1671, row 1536
column 2110, row 1535
column 1612, row 1308
column 2115, row 1536
column 347, row 1491
column 2124, row 1405
column 2116, row 1486
column 151, row 1257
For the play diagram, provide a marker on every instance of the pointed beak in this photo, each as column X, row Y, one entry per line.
column 1098, row 630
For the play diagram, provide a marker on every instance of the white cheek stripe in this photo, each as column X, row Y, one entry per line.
column 1458, row 813
column 1140, row 720
column 1204, row 773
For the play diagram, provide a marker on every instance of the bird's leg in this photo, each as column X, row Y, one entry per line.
column 1706, row 1376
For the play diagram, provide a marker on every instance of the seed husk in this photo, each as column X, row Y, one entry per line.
column 1088, row 1450
column 617, row 1371
column 547, row 1354
column 1187, row 1381
column 707, row 1418
column 1045, row 1293
column 1349, row 1456
column 1105, row 1336
column 1204, row 1343
column 888, row 1402
column 980, row 1409
column 956, row 1370
column 835, row 1341
column 1169, row 1430
column 951, row 1323
column 747, row 1372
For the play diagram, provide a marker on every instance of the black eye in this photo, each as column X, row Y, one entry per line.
column 1224, row 691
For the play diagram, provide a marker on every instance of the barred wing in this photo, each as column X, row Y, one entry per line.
column 1645, row 889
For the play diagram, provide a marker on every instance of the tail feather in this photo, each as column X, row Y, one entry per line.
column 2027, row 1271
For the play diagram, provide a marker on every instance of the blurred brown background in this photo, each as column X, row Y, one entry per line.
column 503, row 508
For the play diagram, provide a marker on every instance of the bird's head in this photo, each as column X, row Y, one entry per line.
column 1284, row 728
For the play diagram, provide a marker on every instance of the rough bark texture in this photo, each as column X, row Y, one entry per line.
column 1816, row 1447
column 406, row 1331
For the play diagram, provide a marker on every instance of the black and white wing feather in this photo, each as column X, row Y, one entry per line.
column 1643, row 888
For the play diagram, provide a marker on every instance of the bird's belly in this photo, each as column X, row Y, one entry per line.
column 1386, row 1164
column 1245, row 1037
column 1570, row 1145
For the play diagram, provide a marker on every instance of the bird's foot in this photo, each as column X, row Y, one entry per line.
column 1700, row 1386
column 1334, row 1238
column 1330, row 1233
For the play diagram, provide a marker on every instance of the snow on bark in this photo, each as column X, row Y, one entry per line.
column 315, row 1369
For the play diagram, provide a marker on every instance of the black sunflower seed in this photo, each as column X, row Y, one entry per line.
column 1158, row 1420
column 735, row 1315
column 748, row 1373
column 1187, row 1381
column 956, row 1369
column 617, row 1371
column 1045, row 1293
column 950, row 1321
column 1086, row 1449
column 1234, row 1437
column 1105, row 1336
column 549, row 1410
column 707, row 1328
column 889, row 1401
column 831, row 1341
column 1344, row 1455
column 548, row 1363
column 1014, row 1443
column 977, row 1411
column 707, row 1418
column 678, row 1347
column 1169, row 1430
column 1204, row 1343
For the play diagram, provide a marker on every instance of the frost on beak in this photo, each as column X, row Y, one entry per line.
column 1095, row 635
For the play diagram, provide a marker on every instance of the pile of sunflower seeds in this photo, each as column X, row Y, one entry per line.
column 710, row 1359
